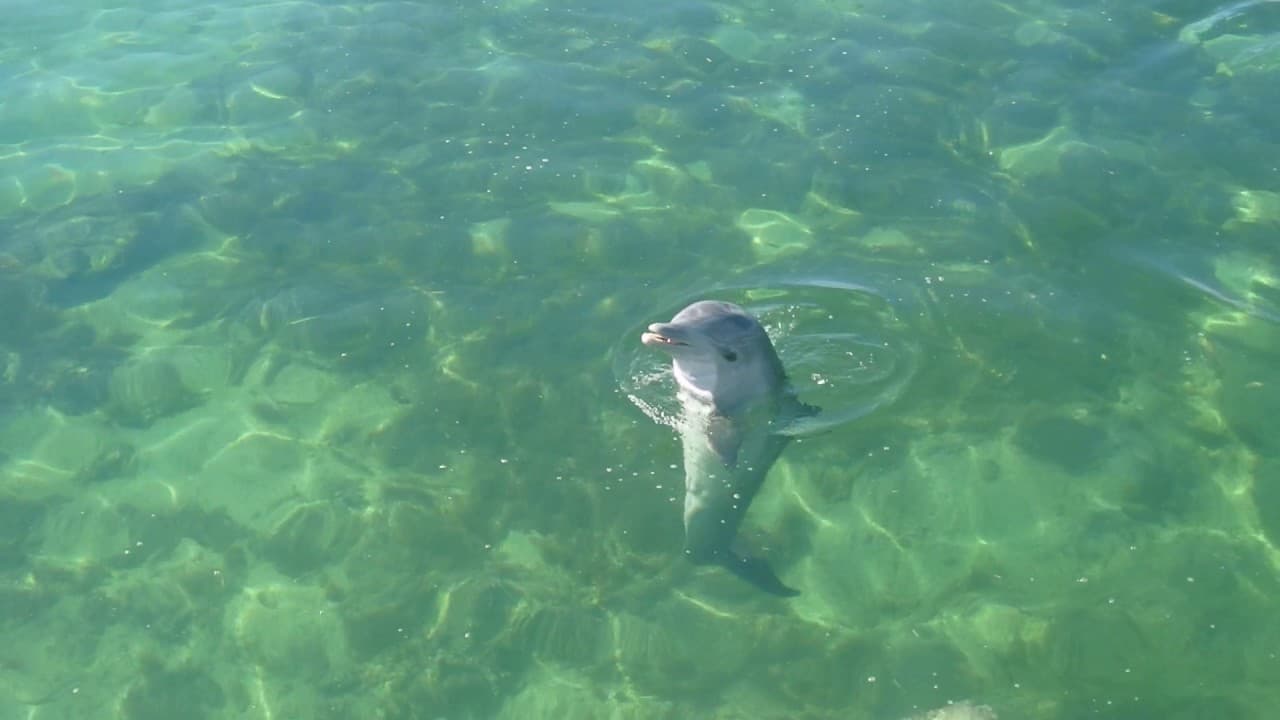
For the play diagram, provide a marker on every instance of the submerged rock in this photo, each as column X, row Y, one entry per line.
column 964, row 710
column 144, row 391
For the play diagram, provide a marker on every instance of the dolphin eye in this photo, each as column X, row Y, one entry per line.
column 729, row 355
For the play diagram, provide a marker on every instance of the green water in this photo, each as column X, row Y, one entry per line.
column 321, row 393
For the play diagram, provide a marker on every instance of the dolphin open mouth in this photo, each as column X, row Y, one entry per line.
column 655, row 337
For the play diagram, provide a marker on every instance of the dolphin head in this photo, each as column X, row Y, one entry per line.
column 720, row 354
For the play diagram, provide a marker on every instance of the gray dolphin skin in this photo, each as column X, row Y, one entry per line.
column 734, row 397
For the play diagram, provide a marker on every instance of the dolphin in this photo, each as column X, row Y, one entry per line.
column 734, row 399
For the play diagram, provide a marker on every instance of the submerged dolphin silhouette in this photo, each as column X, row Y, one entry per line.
column 734, row 398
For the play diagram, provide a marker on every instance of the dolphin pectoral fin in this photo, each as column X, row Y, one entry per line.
column 757, row 572
column 725, row 439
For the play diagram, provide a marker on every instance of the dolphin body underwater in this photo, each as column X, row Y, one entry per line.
column 734, row 399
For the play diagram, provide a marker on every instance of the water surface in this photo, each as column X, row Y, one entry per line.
column 319, row 363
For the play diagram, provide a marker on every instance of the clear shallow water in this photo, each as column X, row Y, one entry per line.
column 310, row 401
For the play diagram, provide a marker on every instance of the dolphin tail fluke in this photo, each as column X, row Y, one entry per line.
column 757, row 572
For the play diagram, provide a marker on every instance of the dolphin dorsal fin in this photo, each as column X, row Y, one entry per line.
column 792, row 414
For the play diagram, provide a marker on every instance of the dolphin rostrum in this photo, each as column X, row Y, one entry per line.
column 734, row 399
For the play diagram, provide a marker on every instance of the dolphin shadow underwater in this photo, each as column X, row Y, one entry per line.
column 735, row 400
